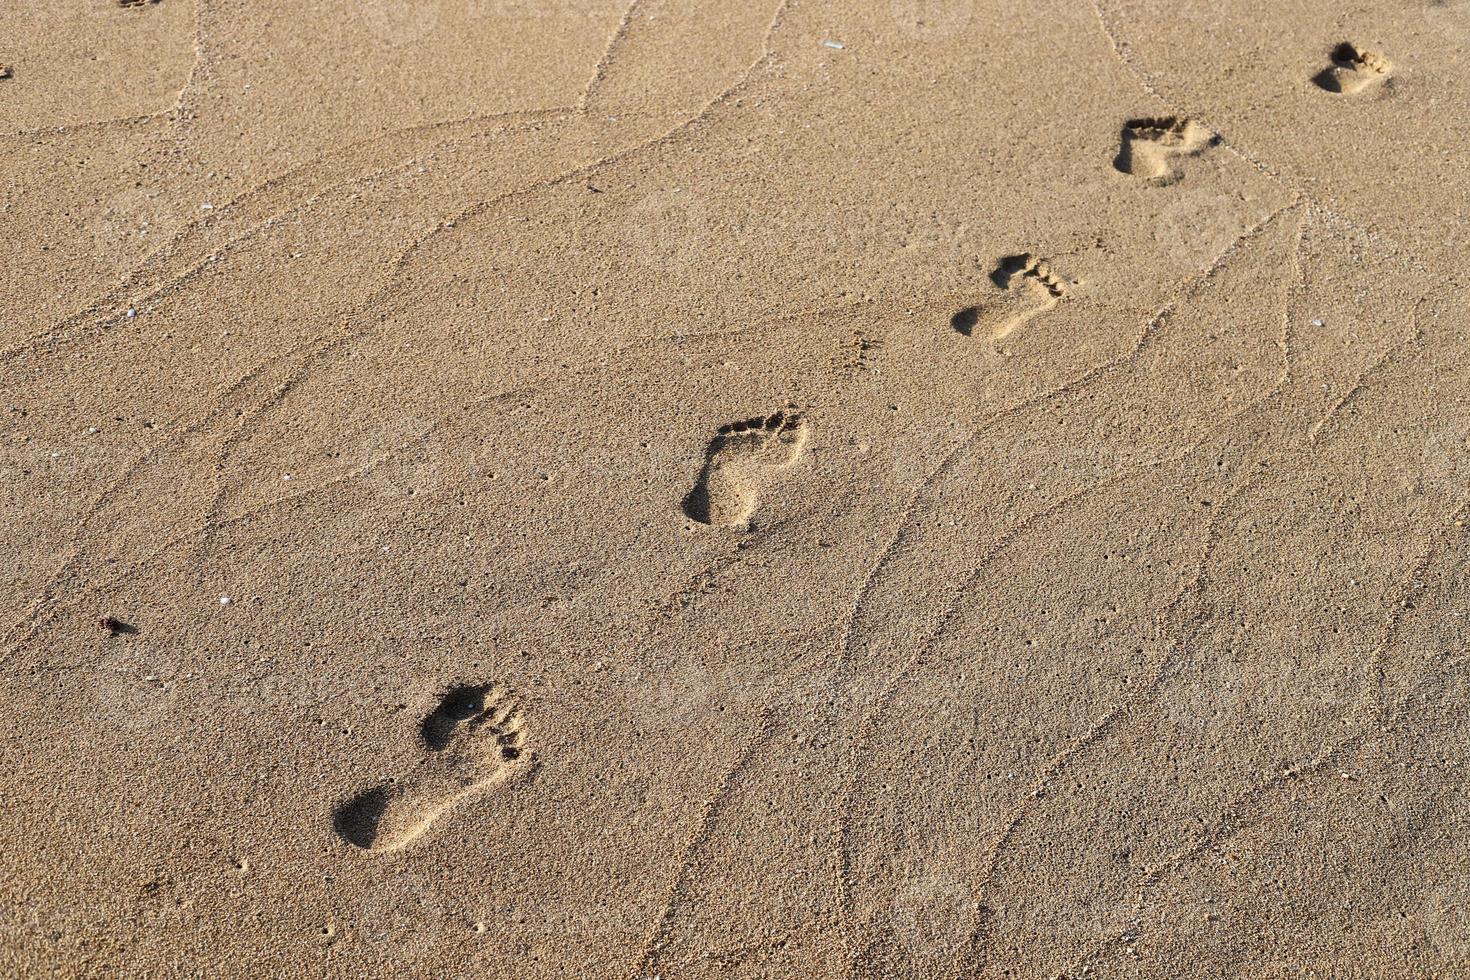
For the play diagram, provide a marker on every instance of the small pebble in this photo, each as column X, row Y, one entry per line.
column 224, row 600
column 1316, row 323
column 835, row 45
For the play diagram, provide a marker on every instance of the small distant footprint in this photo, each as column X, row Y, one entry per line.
column 475, row 738
column 1030, row 288
column 1353, row 69
column 736, row 464
column 1152, row 147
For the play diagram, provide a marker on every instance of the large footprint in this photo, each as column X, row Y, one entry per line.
column 476, row 740
column 737, row 462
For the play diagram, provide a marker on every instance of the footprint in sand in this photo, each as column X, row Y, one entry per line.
column 737, row 463
column 1353, row 69
column 1029, row 288
column 1152, row 147
column 476, row 740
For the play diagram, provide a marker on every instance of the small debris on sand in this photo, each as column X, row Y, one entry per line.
column 116, row 627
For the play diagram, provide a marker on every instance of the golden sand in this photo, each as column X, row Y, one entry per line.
column 735, row 488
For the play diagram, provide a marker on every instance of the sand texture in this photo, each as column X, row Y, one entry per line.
column 735, row 488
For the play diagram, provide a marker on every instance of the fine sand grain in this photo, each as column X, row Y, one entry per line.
column 735, row 488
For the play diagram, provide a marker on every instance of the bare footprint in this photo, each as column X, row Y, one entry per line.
column 476, row 740
column 737, row 462
column 1151, row 147
column 1030, row 288
column 1353, row 69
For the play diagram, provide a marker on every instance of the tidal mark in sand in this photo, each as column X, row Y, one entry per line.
column 737, row 464
column 476, row 740
column 1028, row 287
column 1152, row 148
column 1353, row 70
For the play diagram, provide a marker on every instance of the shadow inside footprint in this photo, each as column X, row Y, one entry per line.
column 358, row 819
column 461, row 704
column 964, row 320
column 1008, row 268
